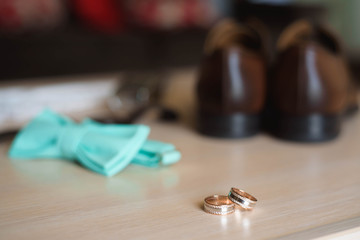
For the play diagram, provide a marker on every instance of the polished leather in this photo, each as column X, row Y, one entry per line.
column 311, row 76
column 232, row 79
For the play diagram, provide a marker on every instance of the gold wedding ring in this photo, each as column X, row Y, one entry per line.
column 218, row 205
column 242, row 198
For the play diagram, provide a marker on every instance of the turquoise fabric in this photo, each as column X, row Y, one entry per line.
column 103, row 148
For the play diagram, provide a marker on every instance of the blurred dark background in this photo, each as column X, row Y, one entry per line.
column 111, row 59
column 41, row 38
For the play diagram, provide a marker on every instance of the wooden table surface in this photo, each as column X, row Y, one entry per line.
column 304, row 190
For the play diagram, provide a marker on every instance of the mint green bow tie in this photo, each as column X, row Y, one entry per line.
column 103, row 148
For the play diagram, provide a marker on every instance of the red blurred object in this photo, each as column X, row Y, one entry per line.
column 171, row 14
column 103, row 15
column 9, row 17
column 23, row 15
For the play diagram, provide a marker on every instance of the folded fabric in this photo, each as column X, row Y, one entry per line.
column 103, row 148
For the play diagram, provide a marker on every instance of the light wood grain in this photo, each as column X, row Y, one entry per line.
column 304, row 190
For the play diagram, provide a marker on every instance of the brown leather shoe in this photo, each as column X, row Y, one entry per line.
column 311, row 86
column 231, row 85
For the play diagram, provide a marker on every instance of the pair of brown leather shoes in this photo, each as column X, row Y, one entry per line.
column 306, row 95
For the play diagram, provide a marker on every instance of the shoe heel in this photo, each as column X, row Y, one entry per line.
column 311, row 128
column 228, row 126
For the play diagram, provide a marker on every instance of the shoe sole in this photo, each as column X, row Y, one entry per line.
column 311, row 128
column 236, row 125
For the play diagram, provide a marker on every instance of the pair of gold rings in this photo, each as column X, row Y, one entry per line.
column 222, row 205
